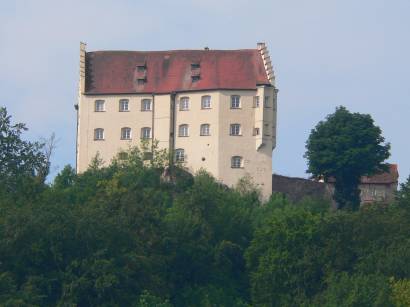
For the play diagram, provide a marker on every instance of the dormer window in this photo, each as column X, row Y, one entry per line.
column 141, row 68
column 141, row 81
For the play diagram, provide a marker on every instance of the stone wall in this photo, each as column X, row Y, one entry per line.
column 298, row 188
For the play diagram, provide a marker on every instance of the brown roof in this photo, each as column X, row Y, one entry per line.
column 116, row 72
column 391, row 176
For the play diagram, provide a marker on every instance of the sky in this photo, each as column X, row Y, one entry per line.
column 325, row 53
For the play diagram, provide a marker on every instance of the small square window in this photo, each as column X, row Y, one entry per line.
column 235, row 129
column 235, row 102
column 124, row 105
column 147, row 155
column 141, row 68
column 99, row 106
column 184, row 104
column 146, row 105
column 141, row 81
column 266, row 103
column 236, row 162
column 98, row 134
column 205, row 130
column 123, row 155
column 126, row 133
column 180, row 155
column 195, row 78
column 205, row 102
column 256, row 101
column 183, row 130
column 256, row 131
column 146, row 133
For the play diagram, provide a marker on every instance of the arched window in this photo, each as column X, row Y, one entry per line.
column 206, row 102
column 235, row 129
column 146, row 105
column 180, row 155
column 125, row 133
column 236, row 162
column 146, row 133
column 99, row 134
column 99, row 106
column 205, row 129
column 184, row 104
column 235, row 102
column 183, row 130
column 124, row 105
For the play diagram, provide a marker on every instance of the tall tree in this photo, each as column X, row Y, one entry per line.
column 19, row 159
column 346, row 146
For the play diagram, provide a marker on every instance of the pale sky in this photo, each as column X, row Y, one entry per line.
column 325, row 53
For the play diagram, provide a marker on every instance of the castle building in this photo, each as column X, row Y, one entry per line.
column 213, row 109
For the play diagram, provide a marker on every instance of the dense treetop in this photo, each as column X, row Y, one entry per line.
column 126, row 234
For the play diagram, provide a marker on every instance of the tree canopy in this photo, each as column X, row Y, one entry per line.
column 124, row 234
column 20, row 160
column 345, row 147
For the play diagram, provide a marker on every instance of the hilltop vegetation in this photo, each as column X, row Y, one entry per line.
column 126, row 235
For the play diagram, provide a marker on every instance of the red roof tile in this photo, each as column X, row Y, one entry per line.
column 115, row 72
column 391, row 176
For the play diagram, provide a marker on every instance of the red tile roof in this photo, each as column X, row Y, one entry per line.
column 391, row 176
column 116, row 72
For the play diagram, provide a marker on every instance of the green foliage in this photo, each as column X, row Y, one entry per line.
column 346, row 146
column 22, row 163
column 401, row 292
column 403, row 195
column 283, row 258
column 356, row 291
column 139, row 232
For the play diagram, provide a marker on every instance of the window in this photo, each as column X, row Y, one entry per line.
column 180, row 155
column 99, row 134
column 146, row 133
column 195, row 66
column 195, row 78
column 205, row 129
column 206, row 102
column 141, row 68
column 183, row 130
column 124, row 105
column 266, row 130
column 235, row 129
column 125, row 133
column 184, row 104
column 141, row 81
column 123, row 155
column 235, row 102
column 256, row 101
column 236, row 162
column 266, row 102
column 256, row 131
column 146, row 105
column 99, row 106
column 147, row 155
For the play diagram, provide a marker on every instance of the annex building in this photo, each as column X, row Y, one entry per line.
column 213, row 109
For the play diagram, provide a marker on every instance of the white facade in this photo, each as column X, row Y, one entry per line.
column 197, row 123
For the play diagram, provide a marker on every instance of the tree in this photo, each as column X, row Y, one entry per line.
column 346, row 146
column 403, row 195
column 19, row 160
